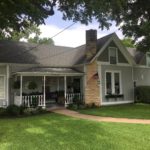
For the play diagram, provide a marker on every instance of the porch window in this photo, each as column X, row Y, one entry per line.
column 148, row 59
column 2, row 87
column 113, row 55
column 113, row 83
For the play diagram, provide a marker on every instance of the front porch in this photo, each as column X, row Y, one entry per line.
column 46, row 89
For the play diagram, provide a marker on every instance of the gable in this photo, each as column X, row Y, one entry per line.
column 104, row 56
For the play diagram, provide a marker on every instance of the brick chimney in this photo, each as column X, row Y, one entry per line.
column 91, row 43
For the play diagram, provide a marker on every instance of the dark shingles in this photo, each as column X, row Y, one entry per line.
column 46, row 55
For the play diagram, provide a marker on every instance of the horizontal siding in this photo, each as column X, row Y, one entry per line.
column 127, row 83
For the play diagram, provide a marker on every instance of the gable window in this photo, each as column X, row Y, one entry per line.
column 112, row 55
column 2, row 87
column 148, row 59
column 113, row 83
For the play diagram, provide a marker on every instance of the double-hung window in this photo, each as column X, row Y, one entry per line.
column 2, row 86
column 112, row 55
column 113, row 83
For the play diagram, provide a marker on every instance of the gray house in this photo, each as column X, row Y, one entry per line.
column 101, row 72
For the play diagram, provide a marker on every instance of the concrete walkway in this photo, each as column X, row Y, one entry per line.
column 75, row 114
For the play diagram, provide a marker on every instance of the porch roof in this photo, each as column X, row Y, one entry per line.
column 50, row 71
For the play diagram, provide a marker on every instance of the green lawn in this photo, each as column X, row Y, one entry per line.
column 57, row 132
column 141, row 111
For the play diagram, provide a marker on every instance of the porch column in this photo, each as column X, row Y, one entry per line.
column 57, row 84
column 65, row 86
column 44, row 92
column 21, row 89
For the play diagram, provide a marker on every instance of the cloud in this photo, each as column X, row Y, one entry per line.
column 75, row 35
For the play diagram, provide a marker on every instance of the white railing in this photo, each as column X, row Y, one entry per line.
column 70, row 97
column 33, row 100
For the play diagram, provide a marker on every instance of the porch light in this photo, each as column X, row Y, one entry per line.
column 95, row 76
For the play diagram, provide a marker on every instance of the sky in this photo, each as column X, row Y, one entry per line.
column 73, row 36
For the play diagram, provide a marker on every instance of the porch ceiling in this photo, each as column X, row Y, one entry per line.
column 50, row 71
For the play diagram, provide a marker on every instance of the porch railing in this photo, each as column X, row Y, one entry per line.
column 71, row 97
column 33, row 100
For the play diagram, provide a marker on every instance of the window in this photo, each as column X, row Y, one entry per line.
column 148, row 59
column 108, row 83
column 2, row 87
column 113, row 55
column 113, row 83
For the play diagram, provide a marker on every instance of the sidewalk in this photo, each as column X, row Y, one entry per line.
column 75, row 114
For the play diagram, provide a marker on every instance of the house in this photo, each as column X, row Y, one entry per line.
column 101, row 72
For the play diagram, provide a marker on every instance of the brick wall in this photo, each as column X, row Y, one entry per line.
column 92, row 89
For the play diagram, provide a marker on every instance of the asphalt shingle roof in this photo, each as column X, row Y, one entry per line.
column 48, row 55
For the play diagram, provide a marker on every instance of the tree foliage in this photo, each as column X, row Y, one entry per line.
column 133, row 16
column 128, row 42
column 39, row 40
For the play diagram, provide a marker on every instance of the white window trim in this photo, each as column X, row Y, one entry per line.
column 112, row 80
column 116, row 54
column 1, row 98
column 147, row 53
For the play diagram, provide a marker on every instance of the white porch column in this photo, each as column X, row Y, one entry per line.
column 8, row 85
column 57, row 84
column 65, row 86
column 21, row 77
column 44, row 92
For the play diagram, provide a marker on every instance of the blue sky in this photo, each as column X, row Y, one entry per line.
column 75, row 35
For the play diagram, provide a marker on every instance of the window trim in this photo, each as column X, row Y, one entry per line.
column 1, row 98
column 147, row 53
column 116, row 54
column 113, row 81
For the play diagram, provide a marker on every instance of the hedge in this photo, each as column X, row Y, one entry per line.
column 142, row 94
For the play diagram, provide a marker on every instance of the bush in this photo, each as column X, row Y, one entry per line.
column 72, row 106
column 13, row 110
column 142, row 94
column 2, row 111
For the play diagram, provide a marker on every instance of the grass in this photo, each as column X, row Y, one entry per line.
column 138, row 111
column 52, row 131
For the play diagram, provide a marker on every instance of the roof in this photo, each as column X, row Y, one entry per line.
column 49, row 70
column 48, row 55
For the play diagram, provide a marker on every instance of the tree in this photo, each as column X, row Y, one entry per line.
column 39, row 40
column 17, row 35
column 128, row 42
column 26, row 34
column 133, row 16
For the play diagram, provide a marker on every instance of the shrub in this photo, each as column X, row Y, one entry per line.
column 142, row 94
column 72, row 106
column 13, row 110
column 2, row 111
